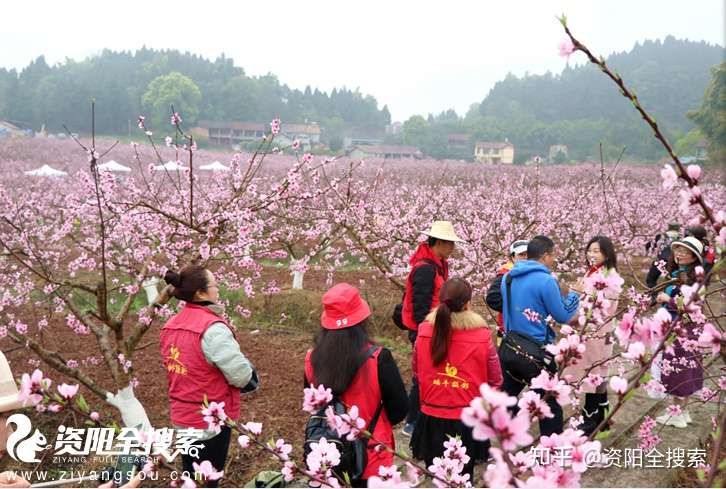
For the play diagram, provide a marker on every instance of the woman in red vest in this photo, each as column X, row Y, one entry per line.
column 342, row 360
column 202, row 359
column 454, row 355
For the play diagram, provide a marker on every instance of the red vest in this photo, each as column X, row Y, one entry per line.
column 190, row 376
column 447, row 388
column 365, row 392
column 423, row 256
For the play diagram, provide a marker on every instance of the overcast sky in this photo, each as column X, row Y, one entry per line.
column 416, row 56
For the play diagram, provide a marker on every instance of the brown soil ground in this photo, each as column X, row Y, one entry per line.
column 276, row 349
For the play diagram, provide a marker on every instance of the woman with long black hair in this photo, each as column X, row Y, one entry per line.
column 454, row 355
column 345, row 360
column 600, row 258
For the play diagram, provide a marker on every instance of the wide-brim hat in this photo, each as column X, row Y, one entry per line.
column 343, row 307
column 691, row 244
column 9, row 395
column 443, row 230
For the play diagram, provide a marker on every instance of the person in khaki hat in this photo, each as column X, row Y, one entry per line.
column 429, row 271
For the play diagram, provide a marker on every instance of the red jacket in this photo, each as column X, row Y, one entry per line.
column 189, row 374
column 364, row 391
column 423, row 296
column 471, row 360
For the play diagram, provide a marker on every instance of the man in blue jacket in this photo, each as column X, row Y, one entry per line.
column 530, row 295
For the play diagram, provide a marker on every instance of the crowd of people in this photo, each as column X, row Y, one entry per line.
column 454, row 348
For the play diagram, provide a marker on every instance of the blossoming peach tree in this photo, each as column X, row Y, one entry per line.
column 79, row 256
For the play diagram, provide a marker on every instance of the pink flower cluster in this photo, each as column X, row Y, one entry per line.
column 348, row 424
column 711, row 338
column 214, row 415
column 275, row 126
column 314, row 398
column 552, row 384
column 32, row 387
column 648, row 440
column 320, row 461
column 205, row 471
column 490, row 419
column 568, row 350
column 648, row 331
column 532, row 316
column 392, row 477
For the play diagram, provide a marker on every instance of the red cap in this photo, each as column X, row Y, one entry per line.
column 343, row 307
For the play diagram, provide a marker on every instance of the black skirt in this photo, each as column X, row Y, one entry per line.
column 430, row 434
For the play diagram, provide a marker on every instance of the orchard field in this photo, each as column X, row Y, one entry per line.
column 77, row 251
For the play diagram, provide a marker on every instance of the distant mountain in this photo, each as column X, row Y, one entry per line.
column 60, row 94
column 581, row 106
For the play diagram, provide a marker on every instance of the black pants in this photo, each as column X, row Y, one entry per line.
column 215, row 450
column 414, row 405
column 518, row 371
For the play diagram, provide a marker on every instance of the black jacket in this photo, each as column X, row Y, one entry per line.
column 494, row 294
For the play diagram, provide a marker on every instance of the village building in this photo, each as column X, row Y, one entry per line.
column 494, row 152
column 386, row 152
column 231, row 133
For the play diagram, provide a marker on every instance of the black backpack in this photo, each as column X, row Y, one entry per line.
column 353, row 454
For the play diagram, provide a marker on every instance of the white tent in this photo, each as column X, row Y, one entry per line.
column 113, row 166
column 46, row 171
column 214, row 166
column 170, row 166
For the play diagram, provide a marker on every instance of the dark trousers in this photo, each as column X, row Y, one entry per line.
column 518, row 371
column 215, row 450
column 414, row 406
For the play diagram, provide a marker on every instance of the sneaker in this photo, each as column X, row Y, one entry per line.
column 677, row 421
column 407, row 429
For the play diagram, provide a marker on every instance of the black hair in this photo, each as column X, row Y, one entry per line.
column 431, row 241
column 454, row 295
column 698, row 232
column 538, row 246
column 607, row 249
column 337, row 355
column 191, row 279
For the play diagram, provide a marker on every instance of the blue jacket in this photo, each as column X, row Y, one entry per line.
column 534, row 288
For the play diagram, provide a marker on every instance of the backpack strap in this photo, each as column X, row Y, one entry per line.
column 508, row 283
column 372, row 424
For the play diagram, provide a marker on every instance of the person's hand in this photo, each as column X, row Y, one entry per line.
column 564, row 289
column 663, row 298
column 580, row 285
column 11, row 479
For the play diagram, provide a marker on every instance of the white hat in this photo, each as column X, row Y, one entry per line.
column 692, row 244
column 9, row 399
column 519, row 246
column 443, row 230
